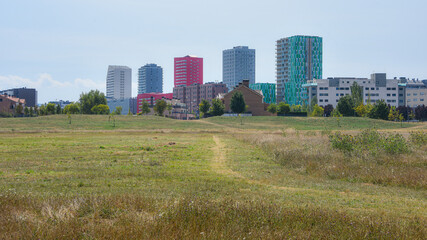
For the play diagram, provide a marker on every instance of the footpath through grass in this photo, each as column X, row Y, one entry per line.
column 192, row 180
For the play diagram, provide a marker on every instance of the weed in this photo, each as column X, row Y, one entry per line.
column 418, row 137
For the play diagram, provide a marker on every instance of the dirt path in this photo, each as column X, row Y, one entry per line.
column 219, row 165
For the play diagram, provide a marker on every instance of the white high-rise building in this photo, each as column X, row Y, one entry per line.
column 119, row 82
column 238, row 64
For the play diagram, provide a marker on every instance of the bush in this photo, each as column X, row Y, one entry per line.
column 370, row 142
column 418, row 138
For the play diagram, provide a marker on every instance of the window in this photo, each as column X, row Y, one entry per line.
column 388, row 95
column 378, row 88
column 422, row 93
column 321, row 100
column 367, row 89
column 1, row 99
column 415, row 94
column 326, row 100
column 372, row 88
column 408, row 94
column 394, row 94
column 421, row 99
column 394, row 89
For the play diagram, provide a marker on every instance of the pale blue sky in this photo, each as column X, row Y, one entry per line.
column 63, row 47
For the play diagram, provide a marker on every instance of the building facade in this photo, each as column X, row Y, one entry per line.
column 127, row 104
column 61, row 103
column 119, row 82
column 150, row 79
column 8, row 104
column 268, row 91
column 29, row 94
column 192, row 95
column 188, row 70
column 376, row 88
column 151, row 99
column 238, row 64
column 298, row 59
column 416, row 93
column 253, row 99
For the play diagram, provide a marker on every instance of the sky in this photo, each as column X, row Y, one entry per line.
column 63, row 47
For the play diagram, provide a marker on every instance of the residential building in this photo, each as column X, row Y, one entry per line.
column 29, row 94
column 151, row 98
column 238, row 64
column 268, row 91
column 416, row 93
column 188, row 70
column 192, row 95
column 376, row 88
column 61, row 103
column 150, row 79
column 298, row 59
column 253, row 99
column 126, row 104
column 8, row 104
column 119, row 82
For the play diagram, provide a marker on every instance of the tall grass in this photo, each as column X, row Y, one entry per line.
column 132, row 217
column 377, row 159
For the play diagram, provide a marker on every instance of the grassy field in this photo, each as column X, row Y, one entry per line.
column 157, row 178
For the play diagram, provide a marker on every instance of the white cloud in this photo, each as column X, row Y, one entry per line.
column 50, row 89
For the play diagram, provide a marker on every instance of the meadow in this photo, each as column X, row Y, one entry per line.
column 158, row 178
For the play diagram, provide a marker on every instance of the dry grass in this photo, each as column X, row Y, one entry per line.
column 132, row 217
column 311, row 153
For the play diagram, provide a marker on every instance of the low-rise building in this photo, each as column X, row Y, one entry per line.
column 416, row 93
column 253, row 99
column 151, row 98
column 126, row 104
column 8, row 104
column 61, row 103
column 193, row 94
column 29, row 94
column 374, row 89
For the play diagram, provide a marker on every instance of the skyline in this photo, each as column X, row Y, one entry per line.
column 65, row 48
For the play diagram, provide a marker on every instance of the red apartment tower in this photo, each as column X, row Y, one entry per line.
column 188, row 70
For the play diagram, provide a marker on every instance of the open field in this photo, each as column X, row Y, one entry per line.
column 157, row 178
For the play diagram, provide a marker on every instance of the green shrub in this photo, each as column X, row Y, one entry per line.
column 369, row 141
column 418, row 138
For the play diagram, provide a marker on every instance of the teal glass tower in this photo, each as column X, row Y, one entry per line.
column 298, row 59
column 268, row 91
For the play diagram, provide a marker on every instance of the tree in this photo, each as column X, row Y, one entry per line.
column 272, row 108
column 297, row 108
column 71, row 108
column 420, row 112
column 336, row 114
column 283, row 108
column 31, row 111
column 58, row 109
column 160, row 107
column 36, row 110
column 100, row 109
column 169, row 108
column 129, row 113
column 328, row 110
column 204, row 107
column 379, row 111
column 19, row 109
column 90, row 100
column 217, row 107
column 50, row 108
column 145, row 108
column 42, row 110
column 237, row 104
column 356, row 94
column 118, row 110
column 26, row 111
column 393, row 114
column 317, row 111
column 345, row 106
column 361, row 110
